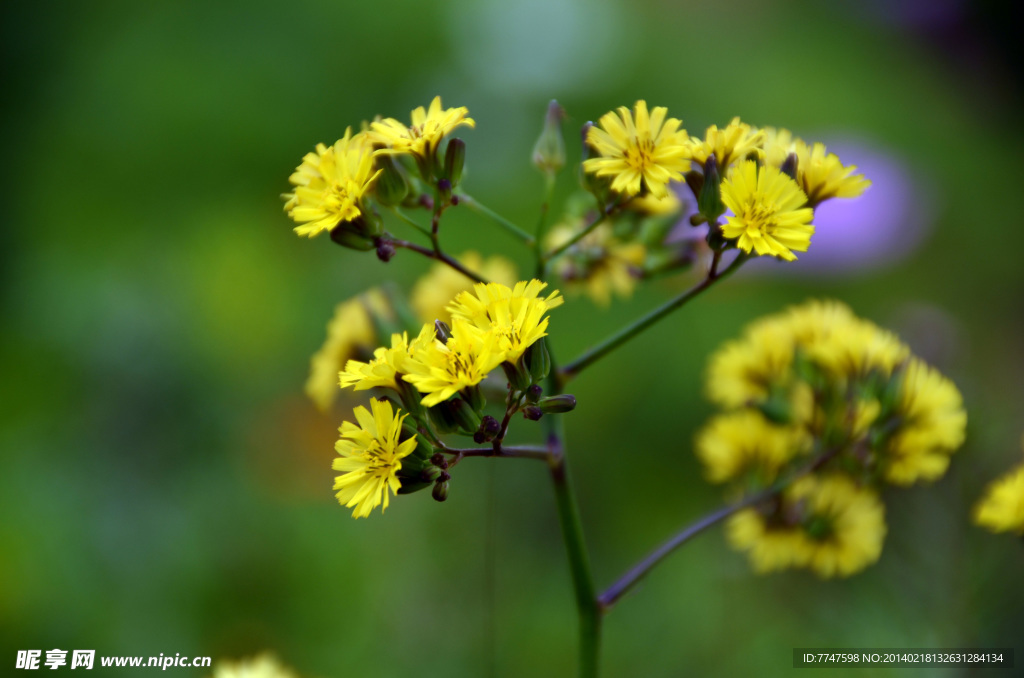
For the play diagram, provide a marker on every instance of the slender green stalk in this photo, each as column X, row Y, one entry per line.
column 594, row 223
column 542, row 222
column 631, row 578
column 404, row 217
column 476, row 206
column 579, row 562
column 437, row 255
column 635, row 328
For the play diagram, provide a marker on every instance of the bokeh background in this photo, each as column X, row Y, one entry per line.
column 165, row 484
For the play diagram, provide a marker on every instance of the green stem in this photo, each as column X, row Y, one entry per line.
column 635, row 328
column 594, row 223
column 631, row 578
column 474, row 205
column 579, row 562
column 404, row 217
column 437, row 255
column 542, row 222
column 572, row 533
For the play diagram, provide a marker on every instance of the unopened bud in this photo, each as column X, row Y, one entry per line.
column 518, row 377
column 385, row 250
column 710, row 199
column 533, row 393
column 537, row 360
column 532, row 412
column 789, row 166
column 392, row 185
column 344, row 235
column 467, row 419
column 440, row 491
column 695, row 180
column 454, row 160
column 549, row 151
column 557, row 404
column 439, row 460
column 489, row 428
column 442, row 331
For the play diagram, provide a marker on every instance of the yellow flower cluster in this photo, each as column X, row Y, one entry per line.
column 1001, row 509
column 827, row 524
column 816, row 385
column 263, row 666
column 770, row 180
column 350, row 332
column 491, row 324
column 600, row 263
column 334, row 184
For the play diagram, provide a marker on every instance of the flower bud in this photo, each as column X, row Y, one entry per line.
column 391, row 186
column 533, row 393
column 442, row 331
column 557, row 404
column 489, row 428
column 710, row 199
column 518, row 378
column 345, row 236
column 549, row 151
column 385, row 250
column 454, row 160
column 467, row 419
column 789, row 166
column 415, row 476
column 537, row 360
column 532, row 412
column 440, row 491
column 695, row 180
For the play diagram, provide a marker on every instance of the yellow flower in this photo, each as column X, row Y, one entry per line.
column 861, row 347
column 932, row 426
column 729, row 144
column 747, row 371
column 514, row 315
column 820, row 174
column 434, row 291
column 427, row 130
column 828, row 525
column 349, row 331
column 442, row 370
column 1001, row 508
column 768, row 213
column 656, row 206
column 741, row 443
column 330, row 185
column 598, row 264
column 771, row 546
column 381, row 371
column 263, row 666
column 371, row 456
column 843, row 524
column 641, row 151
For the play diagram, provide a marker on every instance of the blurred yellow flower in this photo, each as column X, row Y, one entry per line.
column 826, row 524
column 820, row 174
column 770, row 545
column 263, row 666
column 768, row 213
column 731, row 143
column 371, row 456
column 422, row 137
column 442, row 370
column 598, row 264
column 1001, row 508
column 748, row 370
column 641, row 151
column 330, row 185
column 514, row 315
column 843, row 524
column 743, row 443
column 432, row 293
column 349, row 331
column 655, row 205
column 932, row 424
column 387, row 363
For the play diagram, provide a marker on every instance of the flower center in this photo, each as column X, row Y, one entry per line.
column 759, row 218
column 639, row 155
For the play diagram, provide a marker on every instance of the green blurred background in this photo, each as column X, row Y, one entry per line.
column 166, row 485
